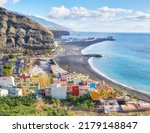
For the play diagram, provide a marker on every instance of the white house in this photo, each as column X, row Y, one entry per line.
column 3, row 92
column 7, row 81
column 69, row 78
column 59, row 91
column 18, row 92
column 111, row 106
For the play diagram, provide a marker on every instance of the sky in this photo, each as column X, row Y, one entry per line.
column 89, row 15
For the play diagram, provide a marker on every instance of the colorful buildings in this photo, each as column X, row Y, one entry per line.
column 59, row 85
column 80, row 76
column 76, row 78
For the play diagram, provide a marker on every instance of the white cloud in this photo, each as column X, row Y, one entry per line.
column 101, row 19
column 142, row 15
column 137, row 16
column 15, row 1
column 56, row 12
column 3, row 2
column 81, row 12
column 114, row 11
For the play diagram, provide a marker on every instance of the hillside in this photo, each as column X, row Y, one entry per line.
column 18, row 32
column 56, row 29
column 49, row 24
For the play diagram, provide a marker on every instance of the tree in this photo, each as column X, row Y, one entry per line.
column 7, row 66
column 7, row 72
column 11, row 56
column 7, row 69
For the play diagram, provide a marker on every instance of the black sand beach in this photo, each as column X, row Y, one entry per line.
column 72, row 60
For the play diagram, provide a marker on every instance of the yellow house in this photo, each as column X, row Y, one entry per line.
column 84, row 77
column 80, row 76
column 43, row 79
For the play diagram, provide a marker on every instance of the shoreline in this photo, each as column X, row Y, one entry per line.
column 102, row 74
column 77, row 62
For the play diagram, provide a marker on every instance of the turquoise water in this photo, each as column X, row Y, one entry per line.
column 126, row 60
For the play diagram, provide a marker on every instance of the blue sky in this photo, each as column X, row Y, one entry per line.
column 89, row 15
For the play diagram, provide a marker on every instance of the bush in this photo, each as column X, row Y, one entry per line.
column 12, row 106
column 57, row 112
column 11, row 56
column 83, row 101
column 72, row 99
column 16, row 101
column 7, row 66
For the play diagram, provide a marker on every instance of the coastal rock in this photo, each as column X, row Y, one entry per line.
column 18, row 31
column 58, row 33
column 94, row 55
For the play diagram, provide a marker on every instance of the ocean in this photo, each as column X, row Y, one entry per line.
column 126, row 60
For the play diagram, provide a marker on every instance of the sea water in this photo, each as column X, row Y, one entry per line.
column 126, row 60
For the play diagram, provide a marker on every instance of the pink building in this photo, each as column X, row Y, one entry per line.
column 63, row 77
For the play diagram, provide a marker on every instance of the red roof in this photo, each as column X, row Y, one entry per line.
column 24, row 76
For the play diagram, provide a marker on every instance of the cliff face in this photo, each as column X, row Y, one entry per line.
column 59, row 33
column 18, row 32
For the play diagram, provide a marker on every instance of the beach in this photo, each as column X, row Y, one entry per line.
column 71, row 59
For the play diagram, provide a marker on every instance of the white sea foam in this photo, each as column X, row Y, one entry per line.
column 89, row 47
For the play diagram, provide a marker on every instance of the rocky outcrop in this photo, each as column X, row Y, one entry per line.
column 93, row 55
column 59, row 33
column 18, row 32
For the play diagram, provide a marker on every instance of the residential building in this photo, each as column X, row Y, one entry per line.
column 59, row 91
column 75, row 90
column 7, row 81
column 3, row 92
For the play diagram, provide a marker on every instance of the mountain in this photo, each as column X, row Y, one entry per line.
column 19, row 32
column 49, row 24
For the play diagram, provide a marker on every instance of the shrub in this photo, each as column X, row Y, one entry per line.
column 57, row 112
column 11, row 106
column 7, row 66
column 11, row 56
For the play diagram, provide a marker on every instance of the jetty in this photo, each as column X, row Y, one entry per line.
column 93, row 55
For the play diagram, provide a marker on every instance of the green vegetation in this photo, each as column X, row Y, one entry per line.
column 37, row 52
column 81, row 102
column 11, row 56
column 12, row 106
column 7, row 69
column 7, row 66
column 27, row 106
column 57, row 112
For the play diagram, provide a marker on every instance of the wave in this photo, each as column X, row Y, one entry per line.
column 90, row 61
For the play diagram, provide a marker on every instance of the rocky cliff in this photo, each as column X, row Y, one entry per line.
column 18, row 32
